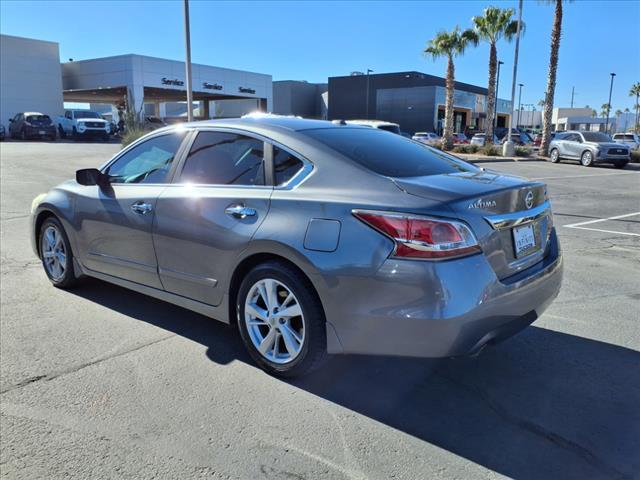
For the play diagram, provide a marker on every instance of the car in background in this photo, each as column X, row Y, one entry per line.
column 83, row 123
column 152, row 122
column 2, row 132
column 27, row 125
column 589, row 148
column 460, row 139
column 537, row 139
column 631, row 139
column 424, row 255
column 379, row 124
column 481, row 138
column 518, row 136
column 429, row 138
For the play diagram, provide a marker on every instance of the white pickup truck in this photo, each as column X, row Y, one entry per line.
column 83, row 123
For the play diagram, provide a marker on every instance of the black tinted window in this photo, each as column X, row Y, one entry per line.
column 147, row 162
column 390, row 155
column 596, row 137
column 219, row 158
column 285, row 166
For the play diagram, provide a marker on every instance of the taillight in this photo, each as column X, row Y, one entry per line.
column 422, row 237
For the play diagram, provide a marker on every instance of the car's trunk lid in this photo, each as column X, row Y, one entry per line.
column 494, row 205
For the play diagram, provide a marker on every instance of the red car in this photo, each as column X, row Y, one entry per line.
column 460, row 139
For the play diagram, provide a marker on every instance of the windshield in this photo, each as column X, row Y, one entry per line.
column 390, row 128
column 38, row 118
column 596, row 137
column 389, row 155
column 86, row 114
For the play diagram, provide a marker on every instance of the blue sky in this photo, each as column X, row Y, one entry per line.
column 314, row 40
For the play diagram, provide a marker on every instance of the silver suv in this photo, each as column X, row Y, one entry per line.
column 589, row 148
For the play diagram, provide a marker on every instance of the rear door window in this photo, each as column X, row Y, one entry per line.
column 285, row 166
column 224, row 158
column 389, row 155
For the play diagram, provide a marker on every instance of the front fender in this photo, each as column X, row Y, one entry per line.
column 57, row 202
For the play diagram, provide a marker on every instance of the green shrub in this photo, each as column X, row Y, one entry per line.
column 522, row 151
column 635, row 156
column 460, row 149
column 131, row 135
column 490, row 150
column 473, row 148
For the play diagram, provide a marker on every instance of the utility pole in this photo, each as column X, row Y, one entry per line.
column 606, row 125
column 573, row 91
column 508, row 148
column 367, row 99
column 495, row 109
column 519, row 104
column 187, row 62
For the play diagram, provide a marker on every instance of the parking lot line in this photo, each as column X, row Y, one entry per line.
column 580, row 176
column 581, row 225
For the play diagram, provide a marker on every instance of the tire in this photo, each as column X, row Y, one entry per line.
column 105, row 137
column 23, row 134
column 554, row 156
column 49, row 247
column 620, row 164
column 75, row 134
column 586, row 159
column 61, row 131
column 285, row 356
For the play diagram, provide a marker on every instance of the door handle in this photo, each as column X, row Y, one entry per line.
column 141, row 208
column 240, row 211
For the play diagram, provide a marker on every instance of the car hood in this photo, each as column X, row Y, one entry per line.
column 98, row 120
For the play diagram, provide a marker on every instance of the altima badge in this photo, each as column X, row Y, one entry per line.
column 483, row 204
column 528, row 199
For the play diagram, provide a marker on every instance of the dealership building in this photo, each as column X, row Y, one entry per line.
column 414, row 100
column 33, row 79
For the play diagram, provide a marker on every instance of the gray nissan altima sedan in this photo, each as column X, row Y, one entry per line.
column 313, row 237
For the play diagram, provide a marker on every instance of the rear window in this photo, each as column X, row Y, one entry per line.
column 390, row 128
column 38, row 118
column 389, row 155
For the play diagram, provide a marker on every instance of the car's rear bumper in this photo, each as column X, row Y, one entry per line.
column 438, row 309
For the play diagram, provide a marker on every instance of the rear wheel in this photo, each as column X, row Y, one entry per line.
column 61, row 131
column 23, row 134
column 281, row 320
column 587, row 158
column 554, row 156
column 56, row 254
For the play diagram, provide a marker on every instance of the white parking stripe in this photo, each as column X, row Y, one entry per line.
column 580, row 176
column 581, row 225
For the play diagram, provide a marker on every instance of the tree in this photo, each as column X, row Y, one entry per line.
column 594, row 113
column 635, row 92
column 494, row 24
column 541, row 102
column 605, row 109
column 556, row 33
column 450, row 45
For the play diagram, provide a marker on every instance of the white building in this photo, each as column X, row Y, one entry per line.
column 146, row 80
column 30, row 78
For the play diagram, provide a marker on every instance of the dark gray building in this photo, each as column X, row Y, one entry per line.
column 304, row 99
column 414, row 100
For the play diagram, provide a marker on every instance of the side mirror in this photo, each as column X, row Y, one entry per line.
column 11, row 120
column 91, row 176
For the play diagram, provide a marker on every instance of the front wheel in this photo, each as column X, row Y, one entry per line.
column 281, row 320
column 61, row 131
column 56, row 254
column 555, row 156
column 587, row 159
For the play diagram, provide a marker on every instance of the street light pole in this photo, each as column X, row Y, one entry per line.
column 367, row 99
column 519, row 104
column 495, row 107
column 573, row 90
column 187, row 62
column 508, row 147
column 606, row 125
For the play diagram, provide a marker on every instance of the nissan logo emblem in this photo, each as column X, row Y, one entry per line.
column 528, row 199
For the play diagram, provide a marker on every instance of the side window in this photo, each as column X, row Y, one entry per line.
column 67, row 114
column 285, row 166
column 148, row 162
column 221, row 158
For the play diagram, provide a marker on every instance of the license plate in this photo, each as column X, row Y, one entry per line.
column 41, row 132
column 524, row 239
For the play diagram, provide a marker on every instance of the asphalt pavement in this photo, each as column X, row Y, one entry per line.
column 100, row 382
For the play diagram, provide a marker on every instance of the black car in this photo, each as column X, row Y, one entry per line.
column 26, row 125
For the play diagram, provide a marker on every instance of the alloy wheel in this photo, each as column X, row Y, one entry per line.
column 274, row 321
column 54, row 253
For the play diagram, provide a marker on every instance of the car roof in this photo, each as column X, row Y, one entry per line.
column 271, row 122
column 374, row 123
column 32, row 113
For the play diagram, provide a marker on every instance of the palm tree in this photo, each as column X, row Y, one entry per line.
column 541, row 102
column 556, row 33
column 494, row 24
column 604, row 110
column 449, row 45
column 594, row 113
column 635, row 92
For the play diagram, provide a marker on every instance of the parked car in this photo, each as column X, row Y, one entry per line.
column 429, row 138
column 26, row 125
column 480, row 139
column 589, row 148
column 379, row 124
column 631, row 139
column 83, row 123
column 537, row 140
column 313, row 237
column 518, row 136
column 460, row 139
column 2, row 132
column 152, row 123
